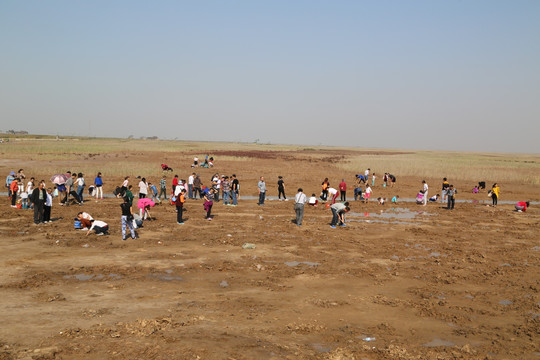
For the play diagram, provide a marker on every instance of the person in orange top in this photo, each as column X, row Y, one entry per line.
column 325, row 185
column 14, row 188
column 180, row 199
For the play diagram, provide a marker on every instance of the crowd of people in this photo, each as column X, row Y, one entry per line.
column 69, row 189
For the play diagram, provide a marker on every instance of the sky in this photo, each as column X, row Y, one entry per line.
column 437, row 75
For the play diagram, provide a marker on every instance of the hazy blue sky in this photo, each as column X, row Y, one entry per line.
column 456, row 75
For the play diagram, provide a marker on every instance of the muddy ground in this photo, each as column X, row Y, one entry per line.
column 399, row 282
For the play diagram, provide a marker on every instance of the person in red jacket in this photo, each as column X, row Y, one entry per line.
column 343, row 190
column 522, row 206
column 174, row 183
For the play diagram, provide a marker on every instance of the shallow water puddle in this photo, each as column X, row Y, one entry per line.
column 320, row 348
column 390, row 216
column 86, row 277
column 165, row 277
column 438, row 342
column 296, row 263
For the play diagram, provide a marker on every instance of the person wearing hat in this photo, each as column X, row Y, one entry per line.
column 13, row 189
column 209, row 202
column 9, row 180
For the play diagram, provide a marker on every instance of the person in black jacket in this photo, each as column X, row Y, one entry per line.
column 127, row 219
column 38, row 198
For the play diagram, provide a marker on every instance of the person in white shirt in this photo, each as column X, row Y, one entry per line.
column 299, row 201
column 190, row 185
column 425, row 189
column 80, row 187
column 217, row 186
column 313, row 200
column 143, row 188
column 100, row 227
column 367, row 193
column 30, row 186
column 47, row 207
column 333, row 193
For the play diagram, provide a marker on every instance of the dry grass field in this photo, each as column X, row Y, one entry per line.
column 400, row 281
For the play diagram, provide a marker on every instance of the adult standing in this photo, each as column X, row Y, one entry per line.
column 324, row 193
column 129, row 194
column 124, row 187
column 30, row 186
column 197, row 187
column 216, row 184
column 21, row 177
column 281, row 188
column 235, row 188
column 47, row 207
column 38, row 198
column 445, row 186
column 163, row 187
column 451, row 195
column 127, row 219
column 13, row 190
column 495, row 191
column 366, row 175
column 343, row 190
column 226, row 186
column 425, row 190
column 191, row 179
column 143, row 188
column 98, row 182
column 180, row 199
column 9, row 179
column 262, row 191
column 80, row 187
column 299, row 201
column 174, row 183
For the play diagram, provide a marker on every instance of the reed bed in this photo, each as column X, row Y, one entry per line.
column 473, row 167
column 490, row 167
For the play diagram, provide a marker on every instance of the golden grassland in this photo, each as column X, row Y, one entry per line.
column 519, row 168
column 469, row 166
